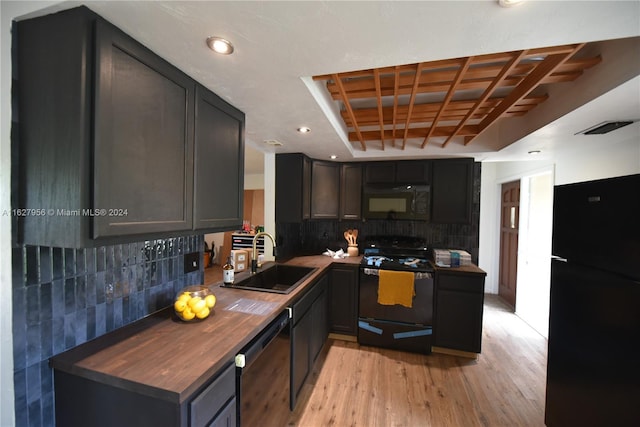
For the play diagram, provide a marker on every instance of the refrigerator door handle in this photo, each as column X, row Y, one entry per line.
column 557, row 258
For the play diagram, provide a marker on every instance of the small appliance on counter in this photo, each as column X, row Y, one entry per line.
column 451, row 257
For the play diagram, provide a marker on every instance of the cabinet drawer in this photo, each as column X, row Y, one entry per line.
column 208, row 403
column 459, row 282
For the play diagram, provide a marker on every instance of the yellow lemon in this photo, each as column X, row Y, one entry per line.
column 193, row 301
column 180, row 305
column 184, row 297
column 210, row 300
column 202, row 314
column 199, row 306
column 187, row 314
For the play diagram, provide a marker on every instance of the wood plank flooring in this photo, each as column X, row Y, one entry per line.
column 355, row 385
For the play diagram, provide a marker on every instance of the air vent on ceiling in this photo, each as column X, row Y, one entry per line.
column 273, row 142
column 605, row 127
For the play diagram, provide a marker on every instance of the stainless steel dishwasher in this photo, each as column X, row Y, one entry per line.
column 262, row 374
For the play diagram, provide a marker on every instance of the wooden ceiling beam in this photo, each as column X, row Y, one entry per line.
column 416, row 82
column 359, row 87
column 376, row 75
column 487, row 93
column 391, row 115
column 544, row 69
column 394, row 115
column 347, row 105
column 454, row 86
column 413, row 133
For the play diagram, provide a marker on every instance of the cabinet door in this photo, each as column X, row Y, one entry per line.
column 306, row 188
column 344, row 300
column 300, row 355
column 293, row 188
column 350, row 191
column 219, row 163
column 143, row 141
column 325, row 190
column 226, row 417
column 380, row 173
column 452, row 191
column 413, row 172
column 319, row 314
column 459, row 311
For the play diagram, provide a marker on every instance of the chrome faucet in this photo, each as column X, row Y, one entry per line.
column 254, row 252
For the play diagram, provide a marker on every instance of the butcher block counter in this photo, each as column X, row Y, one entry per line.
column 164, row 358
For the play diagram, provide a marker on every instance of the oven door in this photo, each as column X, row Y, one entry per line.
column 395, row 326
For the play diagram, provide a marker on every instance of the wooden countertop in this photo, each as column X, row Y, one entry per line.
column 166, row 358
column 464, row 269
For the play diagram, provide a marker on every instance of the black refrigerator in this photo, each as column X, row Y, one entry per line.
column 593, row 370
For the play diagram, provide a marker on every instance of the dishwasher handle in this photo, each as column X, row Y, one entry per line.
column 249, row 353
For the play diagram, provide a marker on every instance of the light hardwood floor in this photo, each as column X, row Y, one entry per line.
column 355, row 385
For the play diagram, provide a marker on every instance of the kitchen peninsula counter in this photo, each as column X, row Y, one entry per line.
column 164, row 358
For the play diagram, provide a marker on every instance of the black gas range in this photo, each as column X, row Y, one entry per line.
column 400, row 254
column 398, row 268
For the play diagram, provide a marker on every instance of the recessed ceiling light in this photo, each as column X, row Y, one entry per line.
column 333, row 157
column 509, row 3
column 304, row 129
column 220, row 45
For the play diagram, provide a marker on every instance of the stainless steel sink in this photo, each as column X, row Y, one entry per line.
column 274, row 277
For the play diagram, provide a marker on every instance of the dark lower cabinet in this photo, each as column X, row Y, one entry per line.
column 309, row 332
column 459, row 303
column 87, row 403
column 343, row 296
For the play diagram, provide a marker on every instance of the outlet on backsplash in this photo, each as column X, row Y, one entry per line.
column 191, row 262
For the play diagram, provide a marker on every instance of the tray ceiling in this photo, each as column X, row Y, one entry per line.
column 448, row 101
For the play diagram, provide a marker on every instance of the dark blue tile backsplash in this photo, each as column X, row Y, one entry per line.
column 65, row 297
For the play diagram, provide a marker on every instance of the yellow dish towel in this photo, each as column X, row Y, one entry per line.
column 396, row 287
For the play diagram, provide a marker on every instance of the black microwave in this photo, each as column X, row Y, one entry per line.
column 411, row 202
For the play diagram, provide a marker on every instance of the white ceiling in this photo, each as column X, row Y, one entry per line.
column 279, row 45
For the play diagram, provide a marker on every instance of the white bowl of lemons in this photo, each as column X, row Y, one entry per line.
column 194, row 303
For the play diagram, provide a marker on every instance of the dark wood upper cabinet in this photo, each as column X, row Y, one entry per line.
column 351, row 191
column 452, row 191
column 398, row 172
column 143, row 142
column 380, row 172
column 219, row 163
column 293, row 187
column 325, row 190
column 413, row 172
column 107, row 139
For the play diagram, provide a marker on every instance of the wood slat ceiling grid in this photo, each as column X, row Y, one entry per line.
column 448, row 99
